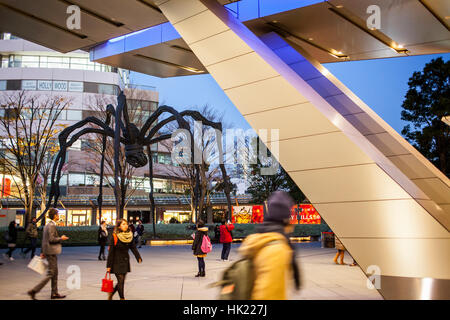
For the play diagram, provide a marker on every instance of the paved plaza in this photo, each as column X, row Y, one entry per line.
column 167, row 272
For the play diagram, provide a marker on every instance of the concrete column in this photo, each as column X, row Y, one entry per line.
column 386, row 221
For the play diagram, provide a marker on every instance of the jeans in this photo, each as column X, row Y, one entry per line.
column 120, row 286
column 52, row 274
column 101, row 254
column 10, row 251
column 139, row 241
column 32, row 248
column 225, row 250
column 201, row 264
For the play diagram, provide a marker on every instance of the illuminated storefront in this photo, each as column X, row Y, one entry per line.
column 107, row 215
column 180, row 215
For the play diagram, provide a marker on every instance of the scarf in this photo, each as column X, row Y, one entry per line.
column 125, row 237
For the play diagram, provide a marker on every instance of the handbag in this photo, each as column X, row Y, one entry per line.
column 37, row 264
column 107, row 283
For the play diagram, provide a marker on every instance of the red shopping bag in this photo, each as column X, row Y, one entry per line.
column 107, row 283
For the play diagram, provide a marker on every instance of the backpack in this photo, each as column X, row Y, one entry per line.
column 206, row 244
column 238, row 279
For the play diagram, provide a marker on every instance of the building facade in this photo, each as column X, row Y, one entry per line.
column 89, row 86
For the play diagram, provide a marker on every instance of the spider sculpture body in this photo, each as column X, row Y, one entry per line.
column 135, row 141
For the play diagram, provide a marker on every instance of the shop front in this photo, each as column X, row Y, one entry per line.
column 182, row 216
column 108, row 215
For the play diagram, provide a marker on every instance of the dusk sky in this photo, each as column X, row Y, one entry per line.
column 381, row 84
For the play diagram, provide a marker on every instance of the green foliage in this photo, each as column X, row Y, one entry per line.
column 87, row 235
column 261, row 186
column 426, row 102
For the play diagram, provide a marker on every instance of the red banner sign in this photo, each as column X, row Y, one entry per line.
column 304, row 214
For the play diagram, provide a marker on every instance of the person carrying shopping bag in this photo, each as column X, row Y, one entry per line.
column 118, row 257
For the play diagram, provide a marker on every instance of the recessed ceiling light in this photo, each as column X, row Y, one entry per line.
column 310, row 39
column 447, row 17
column 275, row 21
column 339, row 6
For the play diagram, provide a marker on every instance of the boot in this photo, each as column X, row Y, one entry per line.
column 202, row 274
column 110, row 295
column 199, row 274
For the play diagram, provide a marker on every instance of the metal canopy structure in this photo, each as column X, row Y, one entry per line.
column 135, row 34
column 388, row 205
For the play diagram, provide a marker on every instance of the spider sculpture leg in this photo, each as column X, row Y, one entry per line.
column 60, row 160
column 215, row 125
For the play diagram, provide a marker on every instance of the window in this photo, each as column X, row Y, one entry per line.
column 14, row 85
column 74, row 115
column 30, row 62
column 106, row 89
column 4, row 62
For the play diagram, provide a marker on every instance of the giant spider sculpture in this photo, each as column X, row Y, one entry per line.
column 135, row 140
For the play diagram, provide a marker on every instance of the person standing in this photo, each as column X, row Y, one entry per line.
column 51, row 248
column 32, row 234
column 140, row 233
column 102, row 240
column 201, row 232
column 11, row 240
column 118, row 257
column 271, row 252
column 226, row 238
column 217, row 233
column 340, row 251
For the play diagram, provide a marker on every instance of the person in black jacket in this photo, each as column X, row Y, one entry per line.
column 11, row 239
column 102, row 240
column 197, row 247
column 118, row 257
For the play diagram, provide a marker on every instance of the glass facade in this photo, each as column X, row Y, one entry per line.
column 59, row 85
column 107, row 215
column 60, row 62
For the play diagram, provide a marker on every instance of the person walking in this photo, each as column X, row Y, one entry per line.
column 102, row 240
column 51, row 248
column 217, row 233
column 340, row 251
column 32, row 234
column 140, row 233
column 226, row 238
column 118, row 257
column 11, row 239
column 201, row 232
column 271, row 252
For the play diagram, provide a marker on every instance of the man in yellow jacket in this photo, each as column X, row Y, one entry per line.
column 272, row 254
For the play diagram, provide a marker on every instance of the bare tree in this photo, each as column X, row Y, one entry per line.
column 28, row 130
column 209, row 170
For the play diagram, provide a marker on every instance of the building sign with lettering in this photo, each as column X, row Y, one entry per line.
column 59, row 85
column 45, row 85
column 29, row 85
column 76, row 86
column 304, row 214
